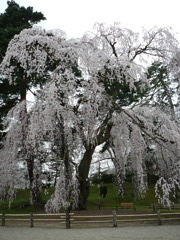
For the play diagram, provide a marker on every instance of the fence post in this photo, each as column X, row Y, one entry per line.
column 68, row 225
column 3, row 219
column 31, row 220
column 159, row 217
column 114, row 218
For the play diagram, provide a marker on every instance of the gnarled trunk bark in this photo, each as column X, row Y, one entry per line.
column 103, row 134
column 83, row 170
column 35, row 198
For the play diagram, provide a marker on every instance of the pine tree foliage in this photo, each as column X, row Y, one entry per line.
column 12, row 22
column 79, row 109
column 163, row 90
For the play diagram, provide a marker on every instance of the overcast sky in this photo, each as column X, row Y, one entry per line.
column 75, row 17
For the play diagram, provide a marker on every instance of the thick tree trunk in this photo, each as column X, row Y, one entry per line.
column 103, row 134
column 35, row 198
column 84, row 187
column 83, row 177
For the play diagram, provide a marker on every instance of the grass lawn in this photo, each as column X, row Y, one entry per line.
column 112, row 200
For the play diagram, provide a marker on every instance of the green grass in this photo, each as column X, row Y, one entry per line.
column 95, row 200
column 22, row 205
column 112, row 200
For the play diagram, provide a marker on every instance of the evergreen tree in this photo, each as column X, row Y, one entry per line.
column 13, row 21
column 162, row 89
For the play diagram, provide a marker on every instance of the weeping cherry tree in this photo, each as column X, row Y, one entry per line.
column 98, row 101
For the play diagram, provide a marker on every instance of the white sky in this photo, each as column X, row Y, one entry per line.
column 75, row 17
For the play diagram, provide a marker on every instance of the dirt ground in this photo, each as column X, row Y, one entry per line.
column 90, row 231
column 119, row 233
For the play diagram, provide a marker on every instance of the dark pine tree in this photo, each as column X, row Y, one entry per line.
column 13, row 21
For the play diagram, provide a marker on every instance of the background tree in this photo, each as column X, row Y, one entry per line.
column 163, row 89
column 12, row 22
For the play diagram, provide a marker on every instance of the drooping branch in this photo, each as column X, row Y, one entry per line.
column 158, row 138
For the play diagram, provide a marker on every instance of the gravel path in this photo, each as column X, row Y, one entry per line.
column 120, row 233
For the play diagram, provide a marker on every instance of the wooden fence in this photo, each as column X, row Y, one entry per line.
column 68, row 220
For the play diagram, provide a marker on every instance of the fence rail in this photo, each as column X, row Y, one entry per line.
column 68, row 219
